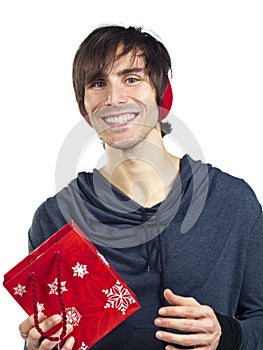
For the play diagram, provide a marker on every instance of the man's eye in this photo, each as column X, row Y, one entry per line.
column 98, row 84
column 132, row 80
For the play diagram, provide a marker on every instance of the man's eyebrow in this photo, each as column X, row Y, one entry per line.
column 131, row 70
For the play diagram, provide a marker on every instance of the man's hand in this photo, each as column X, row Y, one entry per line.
column 187, row 315
column 34, row 340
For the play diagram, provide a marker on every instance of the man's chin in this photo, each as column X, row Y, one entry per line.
column 126, row 144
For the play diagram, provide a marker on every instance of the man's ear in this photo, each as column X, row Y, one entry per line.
column 167, row 101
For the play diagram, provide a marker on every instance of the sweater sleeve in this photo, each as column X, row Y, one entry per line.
column 250, row 308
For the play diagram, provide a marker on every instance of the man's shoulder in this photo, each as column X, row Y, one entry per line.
column 52, row 213
column 219, row 179
column 233, row 190
column 83, row 179
column 51, row 207
column 220, row 184
column 226, row 181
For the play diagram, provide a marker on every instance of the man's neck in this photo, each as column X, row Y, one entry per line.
column 144, row 173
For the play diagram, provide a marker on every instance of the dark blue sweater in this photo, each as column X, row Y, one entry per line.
column 205, row 240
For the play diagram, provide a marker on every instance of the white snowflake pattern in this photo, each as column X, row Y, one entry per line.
column 40, row 307
column 103, row 258
column 83, row 346
column 20, row 290
column 118, row 297
column 80, row 270
column 54, row 287
column 73, row 316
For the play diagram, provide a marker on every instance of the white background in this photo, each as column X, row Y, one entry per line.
column 216, row 48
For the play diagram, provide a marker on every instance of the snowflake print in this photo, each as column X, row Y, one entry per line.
column 72, row 316
column 83, row 346
column 40, row 307
column 20, row 290
column 118, row 297
column 80, row 270
column 54, row 287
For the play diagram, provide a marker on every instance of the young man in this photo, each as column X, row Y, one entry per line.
column 186, row 237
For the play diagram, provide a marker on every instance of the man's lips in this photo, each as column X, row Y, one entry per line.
column 119, row 119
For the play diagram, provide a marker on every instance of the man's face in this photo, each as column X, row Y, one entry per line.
column 121, row 104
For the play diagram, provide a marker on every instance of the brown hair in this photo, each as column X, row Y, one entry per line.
column 98, row 52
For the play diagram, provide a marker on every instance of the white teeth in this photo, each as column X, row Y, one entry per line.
column 120, row 119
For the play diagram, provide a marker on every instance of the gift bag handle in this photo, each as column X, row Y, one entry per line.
column 61, row 302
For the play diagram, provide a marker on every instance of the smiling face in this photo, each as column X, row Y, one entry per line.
column 121, row 104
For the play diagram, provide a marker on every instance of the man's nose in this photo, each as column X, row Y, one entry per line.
column 115, row 95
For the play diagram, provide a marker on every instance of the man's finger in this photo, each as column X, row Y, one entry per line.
column 29, row 323
column 48, row 344
column 69, row 344
column 174, row 299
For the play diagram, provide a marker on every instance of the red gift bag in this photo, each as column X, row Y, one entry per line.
column 67, row 275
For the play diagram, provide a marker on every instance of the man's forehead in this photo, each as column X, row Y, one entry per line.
column 132, row 59
column 117, row 62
